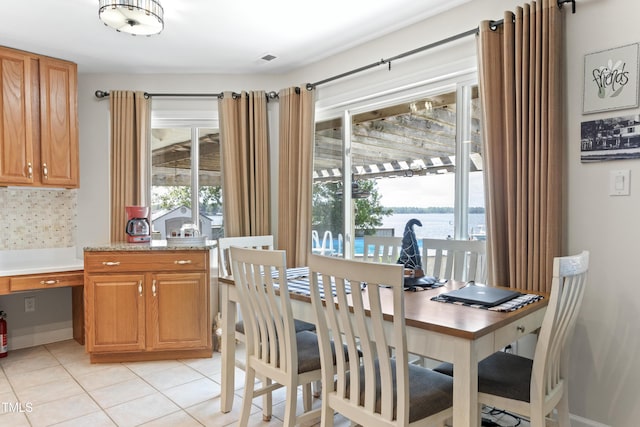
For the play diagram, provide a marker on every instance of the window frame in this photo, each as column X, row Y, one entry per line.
column 193, row 120
column 462, row 82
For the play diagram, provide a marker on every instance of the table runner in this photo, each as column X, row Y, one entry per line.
column 298, row 282
column 511, row 305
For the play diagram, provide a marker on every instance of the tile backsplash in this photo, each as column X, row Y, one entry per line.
column 37, row 218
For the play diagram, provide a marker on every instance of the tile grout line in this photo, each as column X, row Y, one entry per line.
column 86, row 392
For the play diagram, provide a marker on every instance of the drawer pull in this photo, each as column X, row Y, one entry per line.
column 153, row 288
column 30, row 169
column 45, row 171
column 140, row 287
column 49, row 282
column 182, row 261
column 520, row 328
column 111, row 263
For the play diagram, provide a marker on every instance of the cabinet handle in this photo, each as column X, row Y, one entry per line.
column 153, row 287
column 140, row 287
column 520, row 328
column 49, row 282
column 111, row 263
column 30, row 170
column 45, row 171
column 182, row 261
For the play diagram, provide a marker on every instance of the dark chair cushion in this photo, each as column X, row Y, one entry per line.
column 501, row 374
column 309, row 351
column 300, row 326
column 429, row 392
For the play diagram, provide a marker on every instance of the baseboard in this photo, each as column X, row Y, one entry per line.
column 39, row 338
column 577, row 421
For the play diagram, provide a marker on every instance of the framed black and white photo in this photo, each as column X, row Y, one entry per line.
column 615, row 138
column 611, row 79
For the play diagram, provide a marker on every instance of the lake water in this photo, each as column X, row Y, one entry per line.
column 434, row 226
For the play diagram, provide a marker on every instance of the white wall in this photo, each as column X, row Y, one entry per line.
column 605, row 378
column 605, row 373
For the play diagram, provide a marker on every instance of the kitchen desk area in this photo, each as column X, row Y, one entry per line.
column 40, row 269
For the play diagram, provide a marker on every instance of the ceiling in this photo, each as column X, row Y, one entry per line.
column 209, row 36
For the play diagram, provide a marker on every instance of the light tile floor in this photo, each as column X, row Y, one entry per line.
column 55, row 385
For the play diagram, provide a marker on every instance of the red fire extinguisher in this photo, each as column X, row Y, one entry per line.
column 3, row 334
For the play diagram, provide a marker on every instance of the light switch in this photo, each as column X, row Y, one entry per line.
column 619, row 182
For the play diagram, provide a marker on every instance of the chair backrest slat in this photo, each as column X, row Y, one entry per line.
column 270, row 328
column 224, row 243
column 461, row 260
column 384, row 249
column 551, row 355
column 365, row 333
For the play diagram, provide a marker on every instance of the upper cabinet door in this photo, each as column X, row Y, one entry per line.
column 17, row 161
column 58, row 123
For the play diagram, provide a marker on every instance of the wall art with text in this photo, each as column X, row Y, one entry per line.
column 611, row 79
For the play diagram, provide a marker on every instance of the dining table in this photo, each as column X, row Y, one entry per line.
column 450, row 332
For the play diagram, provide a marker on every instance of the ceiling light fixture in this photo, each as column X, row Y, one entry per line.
column 136, row 17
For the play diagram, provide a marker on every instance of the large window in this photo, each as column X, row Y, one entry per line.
column 185, row 169
column 416, row 157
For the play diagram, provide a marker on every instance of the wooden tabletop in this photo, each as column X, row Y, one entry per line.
column 451, row 319
column 454, row 319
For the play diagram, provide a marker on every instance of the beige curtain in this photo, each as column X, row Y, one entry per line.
column 295, row 175
column 245, row 163
column 520, row 84
column 130, row 135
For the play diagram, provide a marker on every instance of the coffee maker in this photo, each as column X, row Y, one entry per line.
column 138, row 229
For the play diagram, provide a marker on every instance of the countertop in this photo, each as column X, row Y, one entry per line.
column 154, row 245
column 37, row 261
column 53, row 260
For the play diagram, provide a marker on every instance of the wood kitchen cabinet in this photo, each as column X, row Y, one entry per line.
column 38, row 120
column 147, row 305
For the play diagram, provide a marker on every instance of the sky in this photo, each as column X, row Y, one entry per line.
column 428, row 191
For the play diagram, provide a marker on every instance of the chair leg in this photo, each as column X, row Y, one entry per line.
column 537, row 419
column 290, row 405
column 306, row 397
column 563, row 411
column 249, row 388
column 326, row 415
column 317, row 388
column 267, row 401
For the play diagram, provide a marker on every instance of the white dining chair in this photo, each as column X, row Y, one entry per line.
column 224, row 243
column 461, row 260
column 274, row 351
column 368, row 386
column 533, row 388
column 224, row 269
column 255, row 242
column 384, row 249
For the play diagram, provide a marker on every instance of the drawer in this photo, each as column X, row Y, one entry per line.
column 156, row 261
column 4, row 285
column 520, row 328
column 45, row 281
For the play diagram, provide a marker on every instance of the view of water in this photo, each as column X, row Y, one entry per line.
column 435, row 226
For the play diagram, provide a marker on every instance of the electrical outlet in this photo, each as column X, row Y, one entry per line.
column 29, row 304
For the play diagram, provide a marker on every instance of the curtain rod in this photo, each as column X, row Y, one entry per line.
column 474, row 31
column 100, row 94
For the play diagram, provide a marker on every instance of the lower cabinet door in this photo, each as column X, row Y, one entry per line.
column 177, row 314
column 115, row 312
